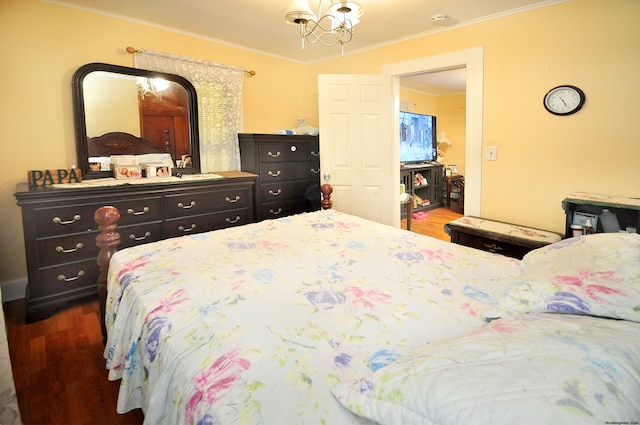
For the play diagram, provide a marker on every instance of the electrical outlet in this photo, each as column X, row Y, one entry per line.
column 492, row 153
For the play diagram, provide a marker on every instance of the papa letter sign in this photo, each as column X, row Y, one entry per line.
column 49, row 177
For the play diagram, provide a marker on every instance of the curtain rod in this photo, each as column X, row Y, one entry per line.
column 133, row 50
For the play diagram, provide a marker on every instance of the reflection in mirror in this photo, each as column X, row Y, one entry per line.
column 120, row 110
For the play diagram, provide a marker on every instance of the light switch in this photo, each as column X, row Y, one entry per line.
column 492, row 153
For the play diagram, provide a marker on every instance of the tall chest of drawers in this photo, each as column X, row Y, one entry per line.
column 288, row 169
column 60, row 231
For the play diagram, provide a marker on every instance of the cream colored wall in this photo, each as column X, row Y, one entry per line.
column 451, row 119
column 44, row 44
column 541, row 158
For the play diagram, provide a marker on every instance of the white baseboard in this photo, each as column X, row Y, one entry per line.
column 14, row 289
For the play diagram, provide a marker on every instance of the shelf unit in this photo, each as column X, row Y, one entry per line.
column 627, row 210
column 431, row 190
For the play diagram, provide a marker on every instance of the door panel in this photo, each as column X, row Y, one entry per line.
column 356, row 145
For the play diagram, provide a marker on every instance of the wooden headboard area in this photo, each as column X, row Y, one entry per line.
column 119, row 143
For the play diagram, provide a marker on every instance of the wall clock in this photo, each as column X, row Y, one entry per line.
column 564, row 100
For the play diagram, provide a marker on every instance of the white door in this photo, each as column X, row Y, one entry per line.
column 358, row 155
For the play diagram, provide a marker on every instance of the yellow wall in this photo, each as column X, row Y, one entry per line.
column 541, row 158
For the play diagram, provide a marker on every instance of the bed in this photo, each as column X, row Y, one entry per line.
column 327, row 318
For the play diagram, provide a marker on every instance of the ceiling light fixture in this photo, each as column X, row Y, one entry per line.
column 151, row 86
column 333, row 28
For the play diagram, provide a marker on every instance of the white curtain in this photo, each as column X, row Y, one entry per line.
column 219, row 91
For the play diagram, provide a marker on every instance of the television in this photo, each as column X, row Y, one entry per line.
column 417, row 138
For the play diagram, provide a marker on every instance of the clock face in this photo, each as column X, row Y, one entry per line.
column 564, row 100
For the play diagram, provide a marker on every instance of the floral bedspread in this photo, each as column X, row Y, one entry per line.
column 255, row 324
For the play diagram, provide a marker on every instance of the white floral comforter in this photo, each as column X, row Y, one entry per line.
column 255, row 324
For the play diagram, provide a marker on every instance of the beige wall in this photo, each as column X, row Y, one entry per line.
column 541, row 158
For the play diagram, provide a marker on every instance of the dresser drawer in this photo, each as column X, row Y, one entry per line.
column 271, row 172
column 206, row 222
column 65, row 249
column 282, row 209
column 139, row 234
column 273, row 192
column 285, row 152
column 64, row 279
column 200, row 202
column 76, row 218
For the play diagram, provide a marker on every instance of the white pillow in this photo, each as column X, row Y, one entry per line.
column 596, row 275
column 529, row 369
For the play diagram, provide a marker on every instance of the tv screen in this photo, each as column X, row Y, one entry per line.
column 417, row 138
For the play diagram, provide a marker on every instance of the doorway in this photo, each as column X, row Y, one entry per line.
column 471, row 59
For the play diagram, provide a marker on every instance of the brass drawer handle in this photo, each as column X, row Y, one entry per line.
column 271, row 192
column 233, row 201
column 315, row 171
column 132, row 212
column 493, row 247
column 276, row 174
column 279, row 211
column 228, row 220
column 315, row 153
column 186, row 207
column 71, row 279
column 274, row 155
column 140, row 238
column 184, row 229
column 66, row 251
column 58, row 220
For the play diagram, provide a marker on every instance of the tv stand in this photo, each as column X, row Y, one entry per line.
column 427, row 195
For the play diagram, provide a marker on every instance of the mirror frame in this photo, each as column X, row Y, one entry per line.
column 82, row 137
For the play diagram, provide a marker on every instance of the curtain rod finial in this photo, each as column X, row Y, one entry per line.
column 132, row 50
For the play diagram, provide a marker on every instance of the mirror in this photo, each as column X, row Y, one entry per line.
column 129, row 111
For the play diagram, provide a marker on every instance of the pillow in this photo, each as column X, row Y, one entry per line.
column 529, row 369
column 596, row 275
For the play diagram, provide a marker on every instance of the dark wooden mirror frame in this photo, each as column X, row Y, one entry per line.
column 80, row 118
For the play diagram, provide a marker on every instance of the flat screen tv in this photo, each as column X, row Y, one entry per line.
column 417, row 138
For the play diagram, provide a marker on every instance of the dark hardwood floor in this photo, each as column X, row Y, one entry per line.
column 58, row 363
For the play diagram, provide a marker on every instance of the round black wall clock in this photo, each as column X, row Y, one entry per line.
column 564, row 100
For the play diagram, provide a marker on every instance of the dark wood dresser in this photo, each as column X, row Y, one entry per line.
column 60, row 231
column 288, row 169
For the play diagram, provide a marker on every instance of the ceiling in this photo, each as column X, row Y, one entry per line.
column 258, row 25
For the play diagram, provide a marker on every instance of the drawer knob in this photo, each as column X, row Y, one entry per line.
column 71, row 279
column 276, row 212
column 315, row 171
column 315, row 153
column 132, row 212
column 293, row 148
column 139, row 238
column 234, row 200
column 271, row 192
column 230, row 221
column 58, row 220
column 184, row 229
column 276, row 174
column 186, row 207
column 66, row 251
column 274, row 155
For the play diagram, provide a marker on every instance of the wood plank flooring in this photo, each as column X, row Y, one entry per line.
column 58, row 363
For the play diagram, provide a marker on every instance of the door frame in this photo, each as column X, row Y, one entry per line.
column 473, row 60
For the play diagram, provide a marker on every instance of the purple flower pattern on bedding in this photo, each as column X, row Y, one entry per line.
column 228, row 335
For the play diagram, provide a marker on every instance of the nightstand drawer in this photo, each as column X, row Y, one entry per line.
column 490, row 245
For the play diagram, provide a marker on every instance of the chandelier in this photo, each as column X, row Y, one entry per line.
column 151, row 86
column 333, row 28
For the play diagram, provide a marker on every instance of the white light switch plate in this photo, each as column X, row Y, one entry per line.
column 492, row 153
